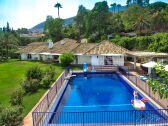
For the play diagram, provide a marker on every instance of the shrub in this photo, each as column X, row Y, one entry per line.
column 49, row 77
column 104, row 37
column 13, row 55
column 66, row 58
column 30, row 86
column 17, row 97
column 1, row 108
column 34, row 73
column 159, row 43
column 11, row 116
column 50, row 71
column 46, row 81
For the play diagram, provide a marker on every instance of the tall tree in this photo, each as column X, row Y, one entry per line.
column 58, row 5
column 158, row 6
column 128, row 2
column 159, row 20
column 141, row 24
column 116, row 24
column 10, row 42
column 113, row 6
column 8, row 29
column 1, row 47
column 118, row 6
column 81, row 19
column 139, row 2
column 100, row 17
column 132, row 15
column 54, row 28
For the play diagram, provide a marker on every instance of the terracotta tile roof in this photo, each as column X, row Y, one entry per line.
column 83, row 48
column 107, row 47
column 65, row 45
column 69, row 45
column 35, row 47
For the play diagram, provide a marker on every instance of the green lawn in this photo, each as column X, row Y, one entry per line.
column 12, row 73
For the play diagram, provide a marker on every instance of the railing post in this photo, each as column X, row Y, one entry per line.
column 149, row 91
column 33, row 117
column 135, row 117
column 56, row 87
column 47, row 101
column 61, row 80
column 83, row 118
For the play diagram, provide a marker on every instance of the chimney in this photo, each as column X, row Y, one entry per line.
column 62, row 42
column 50, row 44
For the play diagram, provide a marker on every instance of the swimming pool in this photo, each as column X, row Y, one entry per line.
column 101, row 98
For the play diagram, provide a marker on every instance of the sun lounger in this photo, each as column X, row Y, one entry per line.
column 145, row 78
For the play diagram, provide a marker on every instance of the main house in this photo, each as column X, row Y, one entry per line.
column 103, row 53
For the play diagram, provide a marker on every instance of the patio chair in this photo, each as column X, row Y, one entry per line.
column 144, row 78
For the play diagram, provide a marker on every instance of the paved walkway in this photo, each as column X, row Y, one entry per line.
column 28, row 120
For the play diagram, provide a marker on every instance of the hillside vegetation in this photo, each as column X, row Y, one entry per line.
column 156, row 43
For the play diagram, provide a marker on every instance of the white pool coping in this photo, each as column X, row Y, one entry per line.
column 62, row 89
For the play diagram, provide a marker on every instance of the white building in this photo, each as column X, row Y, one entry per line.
column 96, row 54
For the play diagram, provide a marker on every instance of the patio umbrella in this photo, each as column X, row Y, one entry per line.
column 149, row 65
column 166, row 67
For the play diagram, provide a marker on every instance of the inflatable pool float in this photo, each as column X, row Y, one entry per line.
column 137, row 103
column 85, row 67
column 69, row 76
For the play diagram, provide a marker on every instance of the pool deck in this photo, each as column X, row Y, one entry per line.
column 28, row 121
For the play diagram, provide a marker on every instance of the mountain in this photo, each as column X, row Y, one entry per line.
column 39, row 28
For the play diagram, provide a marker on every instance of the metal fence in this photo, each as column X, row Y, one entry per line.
column 48, row 99
column 108, row 68
column 144, row 87
column 104, row 118
column 42, row 116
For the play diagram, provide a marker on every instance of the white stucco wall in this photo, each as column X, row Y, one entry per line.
column 84, row 59
column 97, row 60
column 35, row 57
column 101, row 60
column 118, row 60
column 47, row 57
column 23, row 56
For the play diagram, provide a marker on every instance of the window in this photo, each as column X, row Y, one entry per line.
column 29, row 56
column 108, row 60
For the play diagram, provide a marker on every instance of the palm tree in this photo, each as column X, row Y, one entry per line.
column 58, row 5
column 141, row 24
column 113, row 6
column 118, row 6
column 128, row 2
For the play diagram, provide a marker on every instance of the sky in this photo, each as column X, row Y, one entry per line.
column 28, row 13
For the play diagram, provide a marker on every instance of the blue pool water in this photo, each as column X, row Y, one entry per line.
column 100, row 98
